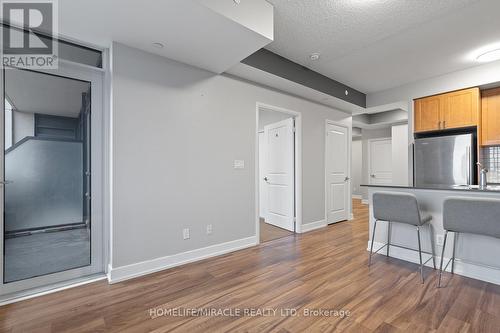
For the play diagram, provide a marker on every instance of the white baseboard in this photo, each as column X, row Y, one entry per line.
column 467, row 269
column 351, row 217
column 364, row 202
column 118, row 274
column 357, row 196
column 312, row 226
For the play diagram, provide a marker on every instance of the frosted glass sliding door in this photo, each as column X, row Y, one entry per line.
column 47, row 206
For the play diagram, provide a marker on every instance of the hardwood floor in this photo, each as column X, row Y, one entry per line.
column 269, row 232
column 323, row 269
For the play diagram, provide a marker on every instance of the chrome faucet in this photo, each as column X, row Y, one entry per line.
column 483, row 177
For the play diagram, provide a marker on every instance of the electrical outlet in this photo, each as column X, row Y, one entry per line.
column 439, row 240
column 209, row 229
column 185, row 233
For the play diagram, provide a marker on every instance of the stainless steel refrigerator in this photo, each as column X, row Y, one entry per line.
column 444, row 160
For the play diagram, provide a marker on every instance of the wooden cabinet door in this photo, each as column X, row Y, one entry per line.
column 461, row 108
column 428, row 113
column 490, row 117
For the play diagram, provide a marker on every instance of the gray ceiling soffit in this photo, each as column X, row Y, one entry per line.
column 386, row 117
column 380, row 120
column 275, row 64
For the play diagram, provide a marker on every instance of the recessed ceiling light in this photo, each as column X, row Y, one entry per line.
column 158, row 45
column 485, row 53
column 489, row 56
column 314, row 56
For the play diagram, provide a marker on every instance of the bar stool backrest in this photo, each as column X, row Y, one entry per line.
column 474, row 216
column 396, row 207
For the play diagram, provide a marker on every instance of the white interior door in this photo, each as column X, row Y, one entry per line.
column 380, row 161
column 337, row 173
column 279, row 176
column 262, row 174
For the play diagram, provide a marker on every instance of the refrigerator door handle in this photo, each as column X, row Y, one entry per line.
column 414, row 164
column 469, row 159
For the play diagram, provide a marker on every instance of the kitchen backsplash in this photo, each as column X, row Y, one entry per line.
column 490, row 159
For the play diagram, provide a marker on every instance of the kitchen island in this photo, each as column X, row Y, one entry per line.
column 477, row 256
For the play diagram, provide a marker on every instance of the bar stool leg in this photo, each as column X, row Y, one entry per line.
column 373, row 241
column 455, row 239
column 389, row 229
column 442, row 259
column 420, row 255
column 432, row 247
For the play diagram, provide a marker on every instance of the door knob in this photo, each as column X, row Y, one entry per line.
column 347, row 179
column 266, row 179
column 373, row 176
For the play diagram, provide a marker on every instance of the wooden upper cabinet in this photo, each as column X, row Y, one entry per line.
column 428, row 113
column 490, row 118
column 446, row 111
column 461, row 108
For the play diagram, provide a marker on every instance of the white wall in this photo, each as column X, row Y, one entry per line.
column 8, row 125
column 471, row 77
column 176, row 132
column 400, row 151
column 8, row 128
column 357, row 166
column 23, row 125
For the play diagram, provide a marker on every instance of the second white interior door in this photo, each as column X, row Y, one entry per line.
column 337, row 173
column 380, row 161
column 279, row 176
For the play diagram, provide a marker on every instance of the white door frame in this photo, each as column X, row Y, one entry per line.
column 100, row 138
column 298, row 165
column 262, row 213
column 370, row 141
column 349, row 158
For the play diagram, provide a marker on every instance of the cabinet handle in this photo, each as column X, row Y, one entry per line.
column 444, row 123
column 439, row 124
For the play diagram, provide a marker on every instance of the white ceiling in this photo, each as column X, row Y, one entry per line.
column 209, row 34
column 47, row 94
column 373, row 45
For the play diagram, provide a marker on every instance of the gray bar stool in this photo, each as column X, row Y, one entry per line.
column 473, row 216
column 400, row 208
